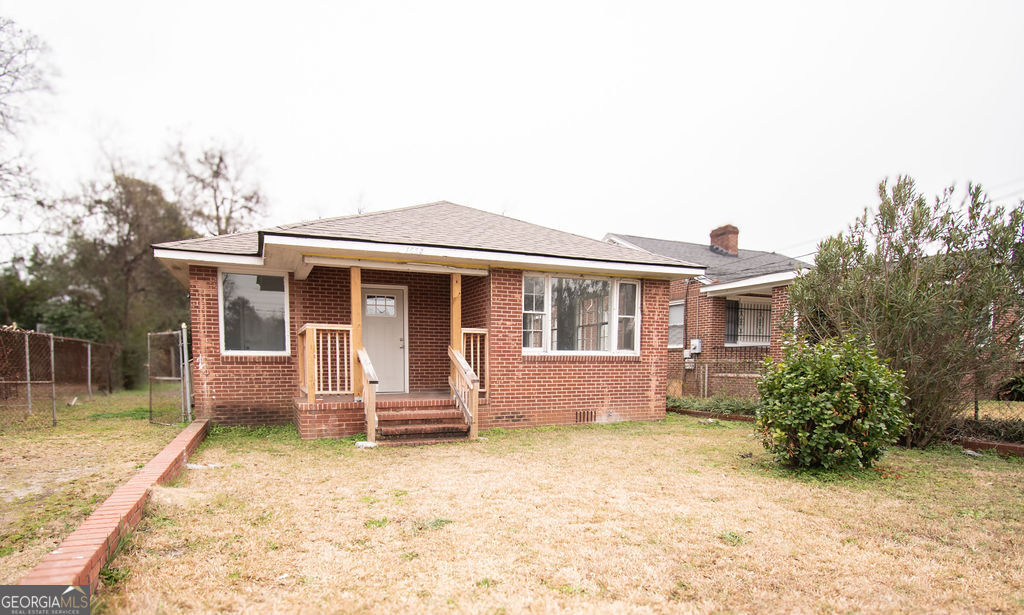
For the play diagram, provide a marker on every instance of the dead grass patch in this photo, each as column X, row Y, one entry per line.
column 674, row 516
column 51, row 478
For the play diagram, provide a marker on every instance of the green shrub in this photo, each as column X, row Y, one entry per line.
column 833, row 404
column 719, row 404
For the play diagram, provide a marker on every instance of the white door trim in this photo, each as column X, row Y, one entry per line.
column 405, row 316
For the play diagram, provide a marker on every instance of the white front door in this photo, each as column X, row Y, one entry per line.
column 384, row 332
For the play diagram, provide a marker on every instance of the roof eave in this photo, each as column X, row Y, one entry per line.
column 470, row 256
column 287, row 248
column 752, row 284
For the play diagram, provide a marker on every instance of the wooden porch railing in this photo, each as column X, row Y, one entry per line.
column 465, row 385
column 369, row 394
column 474, row 350
column 325, row 360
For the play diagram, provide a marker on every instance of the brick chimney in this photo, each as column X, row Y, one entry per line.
column 726, row 240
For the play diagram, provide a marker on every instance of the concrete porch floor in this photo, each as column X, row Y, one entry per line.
column 387, row 397
column 412, row 399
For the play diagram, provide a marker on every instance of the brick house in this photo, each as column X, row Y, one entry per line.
column 424, row 323
column 723, row 323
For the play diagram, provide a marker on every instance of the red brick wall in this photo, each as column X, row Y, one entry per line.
column 236, row 390
column 525, row 391
column 429, row 329
column 476, row 299
column 705, row 319
column 780, row 303
column 261, row 390
column 549, row 390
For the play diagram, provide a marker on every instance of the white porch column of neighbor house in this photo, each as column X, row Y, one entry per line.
column 356, row 294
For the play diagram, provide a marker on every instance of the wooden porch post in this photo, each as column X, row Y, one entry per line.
column 356, row 292
column 310, row 369
column 456, row 316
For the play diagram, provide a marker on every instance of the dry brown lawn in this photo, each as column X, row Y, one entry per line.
column 666, row 517
column 51, row 478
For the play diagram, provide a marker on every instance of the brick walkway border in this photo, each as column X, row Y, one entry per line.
column 713, row 415
column 1002, row 447
column 80, row 557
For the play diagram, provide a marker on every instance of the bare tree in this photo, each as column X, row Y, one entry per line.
column 216, row 187
column 23, row 72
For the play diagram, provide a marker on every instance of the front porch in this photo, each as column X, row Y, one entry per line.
column 344, row 369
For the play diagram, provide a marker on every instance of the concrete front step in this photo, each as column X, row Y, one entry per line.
column 418, row 415
column 421, row 441
column 422, row 429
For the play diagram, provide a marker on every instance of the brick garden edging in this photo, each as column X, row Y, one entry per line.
column 1002, row 447
column 80, row 557
column 713, row 415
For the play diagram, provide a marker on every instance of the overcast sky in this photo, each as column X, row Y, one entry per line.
column 660, row 119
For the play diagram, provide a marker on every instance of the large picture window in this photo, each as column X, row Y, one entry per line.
column 579, row 314
column 254, row 313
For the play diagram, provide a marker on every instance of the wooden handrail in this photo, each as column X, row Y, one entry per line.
column 465, row 385
column 310, row 325
column 369, row 378
column 460, row 361
column 371, row 374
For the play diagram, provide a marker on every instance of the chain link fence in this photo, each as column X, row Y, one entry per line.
column 718, row 372
column 41, row 373
column 168, row 366
column 997, row 414
column 728, row 378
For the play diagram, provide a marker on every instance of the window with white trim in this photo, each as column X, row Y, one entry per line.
column 254, row 313
column 578, row 314
column 677, row 324
column 533, row 312
column 627, row 316
column 748, row 322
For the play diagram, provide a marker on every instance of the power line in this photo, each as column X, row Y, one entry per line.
column 1008, row 194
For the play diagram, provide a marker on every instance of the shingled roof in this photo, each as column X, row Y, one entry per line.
column 440, row 224
column 720, row 267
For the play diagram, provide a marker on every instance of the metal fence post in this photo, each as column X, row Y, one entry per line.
column 149, row 375
column 28, row 375
column 53, row 381
column 181, row 376
column 88, row 367
column 186, row 372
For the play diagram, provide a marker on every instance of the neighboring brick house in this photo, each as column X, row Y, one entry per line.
column 722, row 324
column 384, row 320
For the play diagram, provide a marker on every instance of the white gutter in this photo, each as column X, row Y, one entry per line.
column 207, row 257
column 761, row 282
